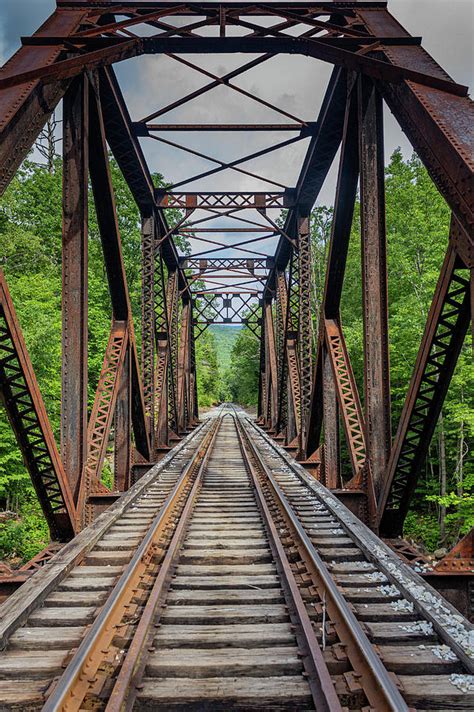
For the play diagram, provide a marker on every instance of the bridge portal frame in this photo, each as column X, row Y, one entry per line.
column 307, row 386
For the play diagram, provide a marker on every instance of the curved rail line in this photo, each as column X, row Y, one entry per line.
column 246, row 586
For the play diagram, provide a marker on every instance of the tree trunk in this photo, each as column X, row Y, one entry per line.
column 460, row 466
column 442, row 478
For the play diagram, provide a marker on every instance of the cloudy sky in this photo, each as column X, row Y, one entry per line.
column 295, row 84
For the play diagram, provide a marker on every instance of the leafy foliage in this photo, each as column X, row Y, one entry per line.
column 417, row 220
column 208, row 370
column 30, row 255
column 244, row 368
column 228, row 361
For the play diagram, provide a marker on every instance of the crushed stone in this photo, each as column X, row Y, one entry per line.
column 465, row 683
column 402, row 605
column 388, row 590
column 444, row 652
column 422, row 627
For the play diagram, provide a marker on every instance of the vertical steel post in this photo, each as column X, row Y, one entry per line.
column 123, row 427
column 193, row 408
column 272, row 385
column 172, row 326
column 305, row 326
column 282, row 316
column 162, row 356
column 261, row 405
column 74, row 282
column 331, row 424
column 374, row 280
column 148, row 318
column 183, row 358
column 292, row 349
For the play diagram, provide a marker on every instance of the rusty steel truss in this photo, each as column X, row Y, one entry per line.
column 308, row 397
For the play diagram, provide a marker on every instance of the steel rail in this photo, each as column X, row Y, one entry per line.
column 75, row 683
column 376, row 681
column 125, row 688
column 319, row 679
column 34, row 591
column 383, row 558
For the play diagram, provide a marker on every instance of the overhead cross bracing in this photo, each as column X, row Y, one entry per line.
column 242, row 195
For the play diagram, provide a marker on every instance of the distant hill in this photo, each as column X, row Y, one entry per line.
column 225, row 335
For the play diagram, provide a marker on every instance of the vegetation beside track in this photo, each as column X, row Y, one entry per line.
column 417, row 229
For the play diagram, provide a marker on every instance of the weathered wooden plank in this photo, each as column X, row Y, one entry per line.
column 19, row 698
column 225, row 596
column 97, row 585
column 225, row 556
column 117, row 544
column 238, row 693
column 223, row 614
column 109, row 557
column 358, row 581
column 227, row 519
column 53, row 617
column 336, row 554
column 327, row 539
column 237, row 635
column 436, row 690
column 226, row 544
column 89, row 572
column 393, row 632
column 80, row 598
column 224, row 662
column 64, row 638
column 210, row 527
column 416, row 660
column 367, row 595
column 37, row 664
column 220, row 582
column 382, row 612
column 225, row 570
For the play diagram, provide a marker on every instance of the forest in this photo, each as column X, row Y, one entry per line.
column 227, row 357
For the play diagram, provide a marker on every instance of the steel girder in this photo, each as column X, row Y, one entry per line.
column 75, row 279
column 445, row 331
column 25, row 408
column 374, row 59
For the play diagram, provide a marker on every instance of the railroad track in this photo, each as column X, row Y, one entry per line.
column 43, row 622
column 364, row 591
column 238, row 583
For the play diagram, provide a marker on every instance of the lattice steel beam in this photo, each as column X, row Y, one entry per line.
column 112, row 248
column 347, row 394
column 148, row 316
column 101, row 419
column 444, row 335
column 227, row 263
column 305, row 322
column 225, row 201
column 24, row 406
column 226, row 308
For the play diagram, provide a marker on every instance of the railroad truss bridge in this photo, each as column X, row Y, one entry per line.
column 234, row 564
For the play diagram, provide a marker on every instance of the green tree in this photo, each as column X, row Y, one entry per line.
column 244, row 368
column 208, row 381
column 30, row 255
